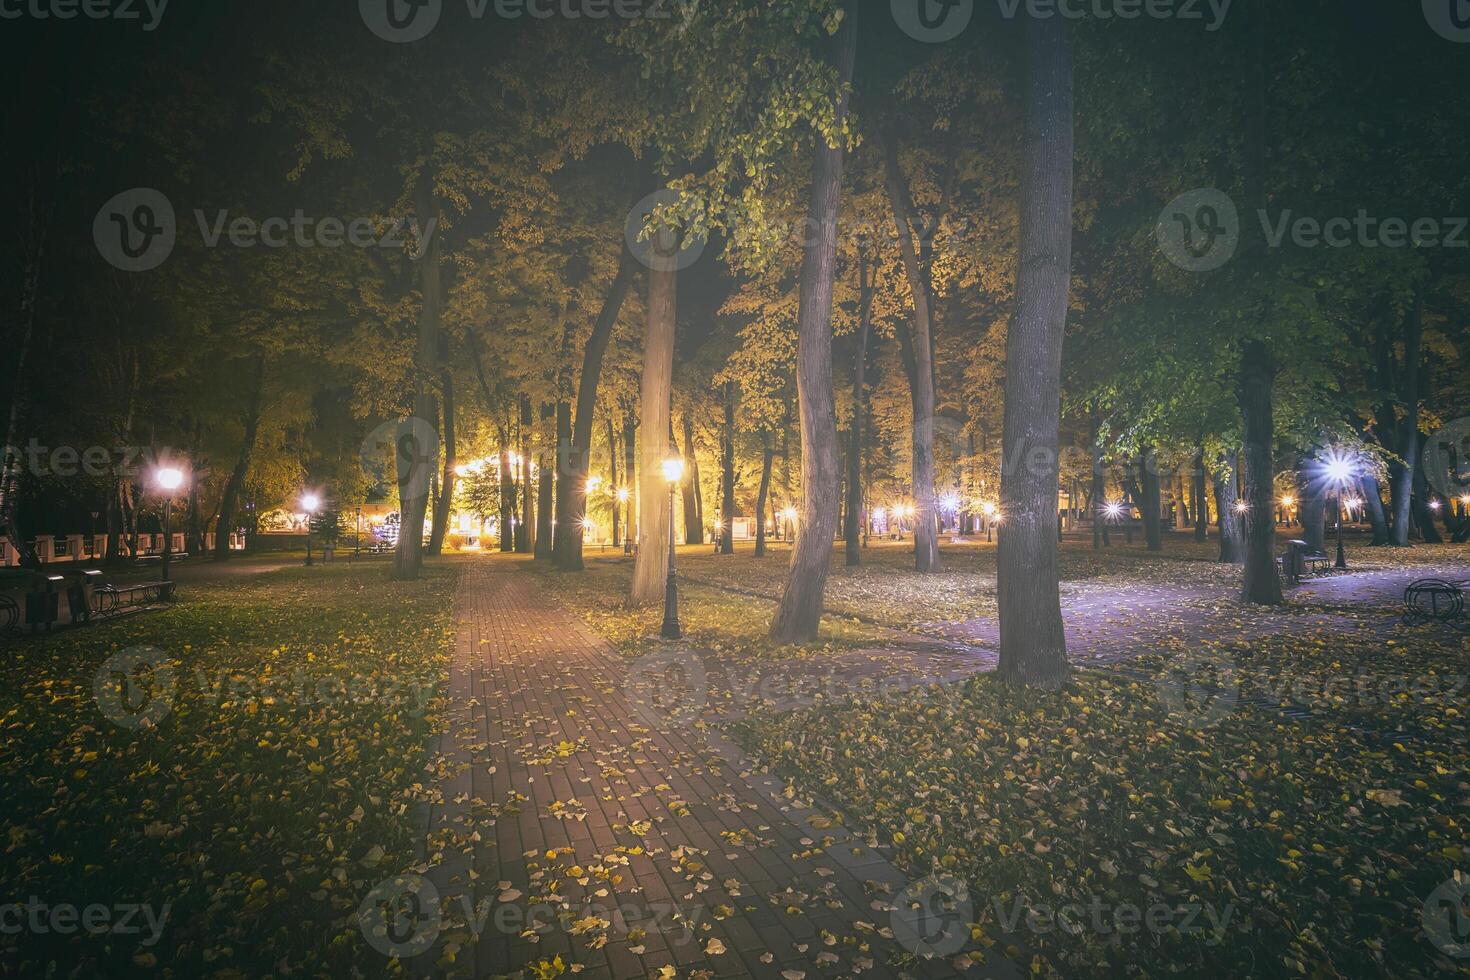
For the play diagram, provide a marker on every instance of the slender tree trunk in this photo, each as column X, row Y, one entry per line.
column 655, row 526
column 768, row 456
column 921, row 378
column 1099, row 489
column 1408, row 434
column 1149, row 502
column 727, row 475
column 1232, row 545
column 800, row 611
column 1261, row 584
column 445, row 503
column 1373, row 501
column 554, row 489
column 413, row 480
column 229, row 497
column 1033, row 646
column 693, row 512
column 1313, row 502
column 630, row 478
column 574, row 460
column 612, row 464
column 1423, row 515
column 1201, row 505
column 10, row 466
column 855, row 505
column 507, row 496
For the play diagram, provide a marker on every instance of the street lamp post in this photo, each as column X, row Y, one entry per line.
column 1339, row 470
column 169, row 479
column 673, row 472
column 309, row 503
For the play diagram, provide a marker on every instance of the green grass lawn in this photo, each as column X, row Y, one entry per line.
column 1254, row 844
column 248, row 801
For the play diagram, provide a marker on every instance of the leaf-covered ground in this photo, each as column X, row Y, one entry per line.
column 267, row 786
column 1255, row 843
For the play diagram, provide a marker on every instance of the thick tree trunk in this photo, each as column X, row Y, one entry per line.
column 413, row 483
column 800, row 611
column 445, row 503
column 1423, row 514
column 230, row 496
column 10, row 465
column 768, row 456
column 921, row 377
column 1033, row 646
column 1261, row 584
column 654, row 520
column 693, row 512
column 1149, row 503
column 727, row 476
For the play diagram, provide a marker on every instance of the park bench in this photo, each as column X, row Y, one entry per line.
column 1300, row 558
column 114, row 598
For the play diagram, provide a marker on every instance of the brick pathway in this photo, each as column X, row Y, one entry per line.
column 571, row 793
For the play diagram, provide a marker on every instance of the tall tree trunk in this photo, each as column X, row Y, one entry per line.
column 553, row 488
column 768, row 456
column 693, row 512
column 630, row 478
column 800, row 611
column 230, row 496
column 1423, row 514
column 1099, row 485
column 507, row 496
column 727, row 475
column 1149, row 503
column 612, row 465
column 1261, row 584
column 445, row 503
column 852, row 531
column 413, row 484
column 1373, row 501
column 10, row 466
column 1403, row 473
column 1227, row 518
column 1312, row 492
column 921, row 377
column 1201, row 505
column 654, row 520
column 571, row 509
column 1033, row 646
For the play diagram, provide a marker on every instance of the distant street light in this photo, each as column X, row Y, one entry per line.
column 168, row 479
column 310, row 503
column 673, row 472
column 1339, row 469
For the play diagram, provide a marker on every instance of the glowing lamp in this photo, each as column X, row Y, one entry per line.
column 169, row 478
column 623, row 495
column 674, row 469
column 311, row 503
